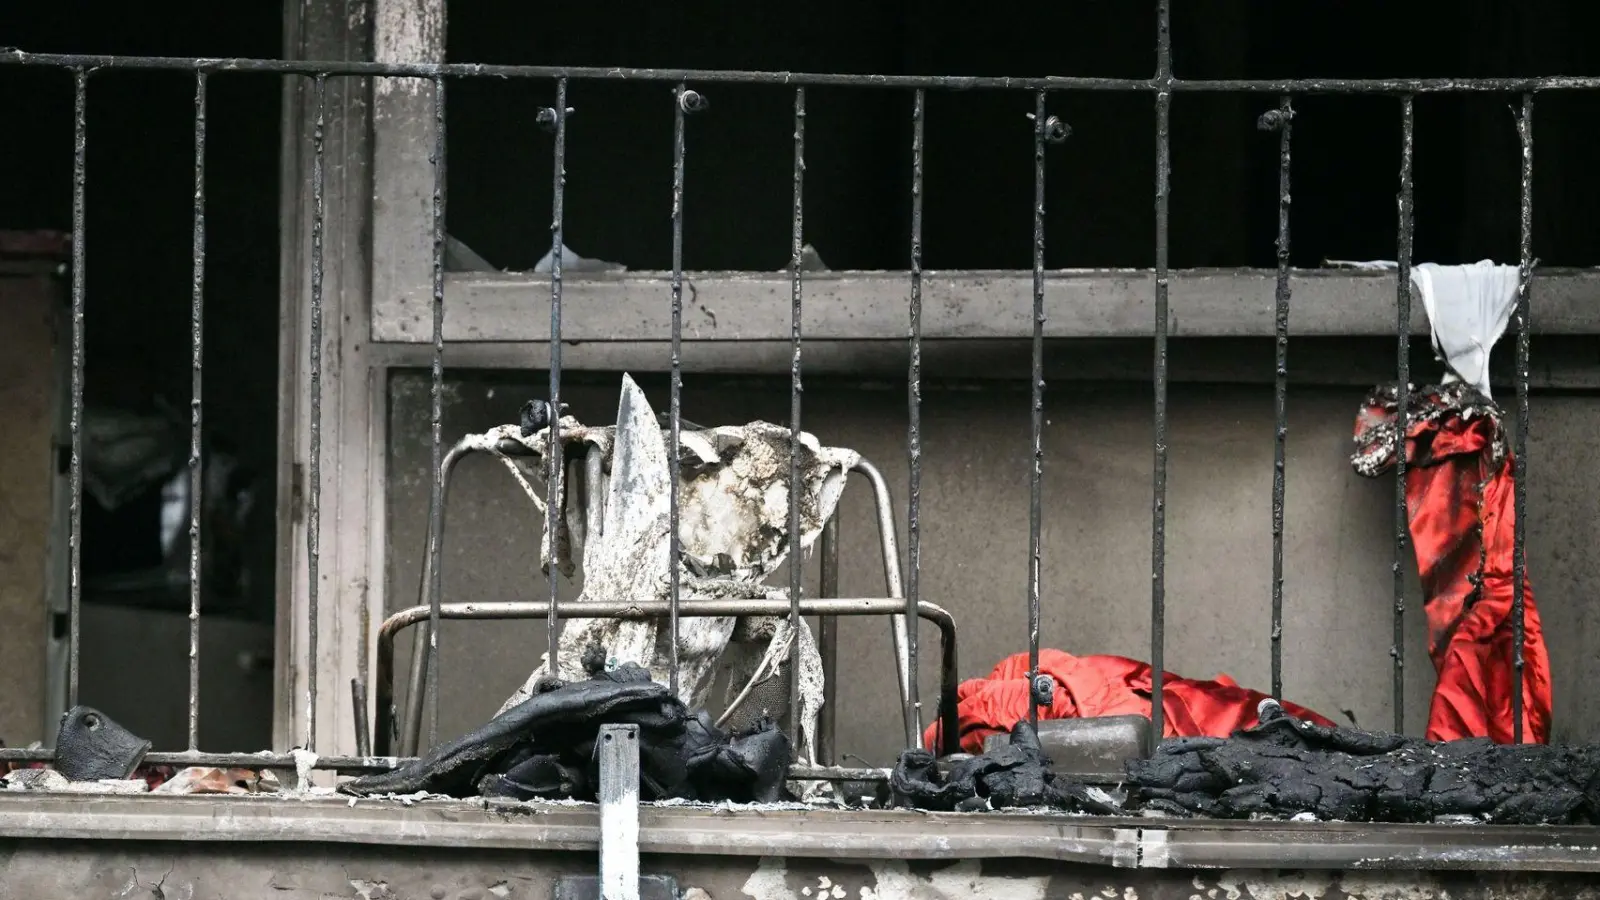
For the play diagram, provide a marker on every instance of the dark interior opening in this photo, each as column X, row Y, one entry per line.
column 139, row 196
column 979, row 145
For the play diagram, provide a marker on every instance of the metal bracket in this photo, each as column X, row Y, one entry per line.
column 618, row 748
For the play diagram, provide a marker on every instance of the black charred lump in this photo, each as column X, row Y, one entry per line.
column 1017, row 775
column 91, row 747
column 1286, row 767
column 543, row 748
column 1282, row 768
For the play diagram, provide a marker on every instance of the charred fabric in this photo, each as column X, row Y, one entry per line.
column 544, row 747
column 1284, row 767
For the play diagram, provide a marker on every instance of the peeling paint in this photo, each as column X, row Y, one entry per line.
column 407, row 31
column 894, row 880
column 1298, row 886
column 768, row 881
column 372, row 890
column 965, row 879
column 188, row 869
column 1240, row 884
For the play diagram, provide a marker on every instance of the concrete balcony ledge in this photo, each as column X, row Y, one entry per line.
column 957, row 305
column 757, row 832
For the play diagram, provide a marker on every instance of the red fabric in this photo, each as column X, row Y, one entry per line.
column 1103, row 686
column 1459, row 494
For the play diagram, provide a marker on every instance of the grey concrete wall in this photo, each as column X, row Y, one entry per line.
column 309, row 871
column 28, row 396
column 1096, row 538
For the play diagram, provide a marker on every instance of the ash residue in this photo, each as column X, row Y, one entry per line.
column 1287, row 767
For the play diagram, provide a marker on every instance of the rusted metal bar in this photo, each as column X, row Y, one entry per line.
column 796, row 562
column 684, row 101
column 900, row 631
column 828, row 646
column 358, row 706
column 555, row 457
column 1162, row 83
column 1046, row 130
column 1402, row 524
column 1281, row 121
column 911, row 705
column 1158, row 508
column 361, row 765
column 80, row 149
column 416, row 695
column 196, row 407
column 314, row 487
column 436, row 414
column 1519, row 548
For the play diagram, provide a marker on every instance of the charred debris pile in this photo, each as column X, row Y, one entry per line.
column 1283, row 768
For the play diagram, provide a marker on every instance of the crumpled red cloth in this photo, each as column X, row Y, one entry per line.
column 1459, row 496
column 1103, row 686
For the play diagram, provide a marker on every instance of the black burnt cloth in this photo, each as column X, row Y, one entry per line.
column 544, row 748
column 1283, row 768
column 1017, row 775
column 1287, row 767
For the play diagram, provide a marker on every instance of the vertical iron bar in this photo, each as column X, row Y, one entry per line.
column 358, row 703
column 912, row 713
column 80, row 147
column 1036, row 470
column 555, row 454
column 197, row 350
column 675, row 384
column 436, row 418
column 827, row 721
column 1519, row 550
column 314, row 488
column 1402, row 406
column 796, row 564
column 1158, row 508
column 1284, row 123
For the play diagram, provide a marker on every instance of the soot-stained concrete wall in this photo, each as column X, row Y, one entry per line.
column 28, row 396
column 1096, row 537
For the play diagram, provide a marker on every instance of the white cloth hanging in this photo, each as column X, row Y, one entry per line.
column 1468, row 309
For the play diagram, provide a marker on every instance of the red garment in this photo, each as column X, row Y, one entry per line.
column 1103, row 686
column 1459, row 494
